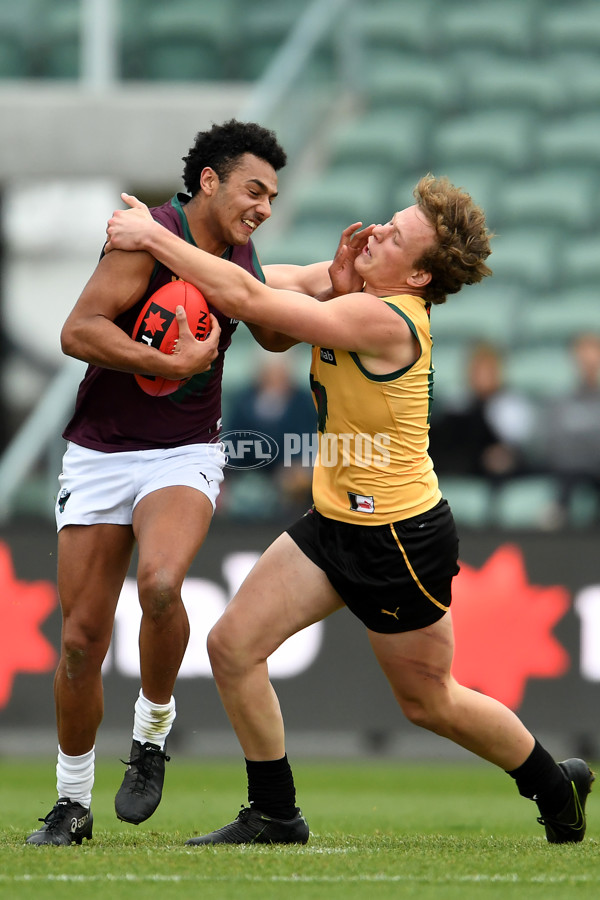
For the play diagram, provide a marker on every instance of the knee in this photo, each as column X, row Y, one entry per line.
column 227, row 656
column 83, row 648
column 424, row 712
column 159, row 591
column 219, row 649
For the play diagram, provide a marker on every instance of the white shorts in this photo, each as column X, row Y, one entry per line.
column 97, row 487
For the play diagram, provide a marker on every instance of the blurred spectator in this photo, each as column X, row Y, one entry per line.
column 487, row 432
column 275, row 406
column 570, row 433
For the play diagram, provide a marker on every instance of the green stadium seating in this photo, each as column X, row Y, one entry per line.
column 17, row 35
column 540, row 371
column 484, row 312
column 525, row 503
column 579, row 263
column 501, row 138
column 569, row 25
column 344, row 194
column 562, row 196
column 14, row 57
column 572, row 139
column 450, row 366
column 186, row 40
column 242, row 360
column 389, row 141
column 584, row 507
column 132, row 50
column 500, row 82
column 527, row 256
column 399, row 25
column 56, row 46
column 508, row 25
column 579, row 73
column 263, row 27
column 392, row 81
column 559, row 317
column 470, row 499
column 302, row 245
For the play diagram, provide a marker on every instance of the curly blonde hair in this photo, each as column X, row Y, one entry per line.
column 463, row 240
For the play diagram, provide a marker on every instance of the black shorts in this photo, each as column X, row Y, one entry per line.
column 394, row 577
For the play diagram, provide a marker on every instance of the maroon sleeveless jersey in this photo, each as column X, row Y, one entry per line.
column 113, row 413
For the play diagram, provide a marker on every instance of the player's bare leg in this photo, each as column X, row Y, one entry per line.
column 170, row 525
column 92, row 564
column 417, row 665
column 283, row 593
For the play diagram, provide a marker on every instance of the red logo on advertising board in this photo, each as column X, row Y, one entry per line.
column 24, row 607
column 503, row 627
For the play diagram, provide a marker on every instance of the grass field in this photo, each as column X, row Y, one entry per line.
column 378, row 830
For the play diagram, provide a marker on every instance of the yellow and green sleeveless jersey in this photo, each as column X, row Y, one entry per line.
column 373, row 465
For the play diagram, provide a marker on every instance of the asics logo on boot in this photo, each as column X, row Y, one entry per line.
column 79, row 823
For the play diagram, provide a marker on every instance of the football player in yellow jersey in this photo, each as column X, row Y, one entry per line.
column 380, row 539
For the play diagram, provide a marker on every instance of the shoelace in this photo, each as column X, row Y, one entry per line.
column 143, row 763
column 238, row 828
column 54, row 817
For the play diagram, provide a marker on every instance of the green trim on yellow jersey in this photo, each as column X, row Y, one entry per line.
column 389, row 376
column 373, row 465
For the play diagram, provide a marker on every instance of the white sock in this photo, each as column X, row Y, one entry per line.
column 152, row 722
column 75, row 776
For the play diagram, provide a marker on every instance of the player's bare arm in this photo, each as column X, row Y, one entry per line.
column 269, row 339
column 360, row 321
column 313, row 280
column 328, row 279
column 310, row 279
column 323, row 281
column 90, row 334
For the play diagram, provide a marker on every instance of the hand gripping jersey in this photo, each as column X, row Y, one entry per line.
column 373, row 465
column 113, row 413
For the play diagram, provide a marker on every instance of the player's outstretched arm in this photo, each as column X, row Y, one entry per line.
column 244, row 297
column 328, row 279
column 356, row 321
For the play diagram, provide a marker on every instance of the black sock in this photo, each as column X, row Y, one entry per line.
column 271, row 787
column 541, row 779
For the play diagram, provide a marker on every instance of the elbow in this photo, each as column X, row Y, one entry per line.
column 278, row 343
column 68, row 340
column 270, row 340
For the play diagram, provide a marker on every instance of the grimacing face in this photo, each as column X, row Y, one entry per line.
column 243, row 200
column 387, row 261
